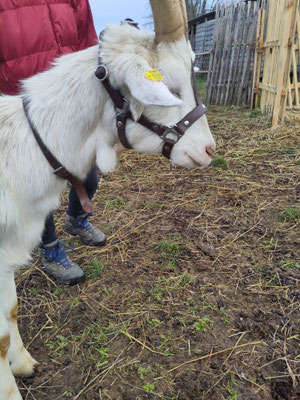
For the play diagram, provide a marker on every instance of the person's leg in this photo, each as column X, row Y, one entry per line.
column 49, row 237
column 91, row 184
column 54, row 257
column 77, row 222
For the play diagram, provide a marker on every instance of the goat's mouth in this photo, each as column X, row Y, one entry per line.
column 198, row 163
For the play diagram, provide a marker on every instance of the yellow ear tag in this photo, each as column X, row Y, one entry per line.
column 153, row 75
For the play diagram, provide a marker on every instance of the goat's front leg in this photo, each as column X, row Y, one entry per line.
column 21, row 362
column 14, row 358
column 8, row 387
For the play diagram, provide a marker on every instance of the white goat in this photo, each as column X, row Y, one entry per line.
column 75, row 117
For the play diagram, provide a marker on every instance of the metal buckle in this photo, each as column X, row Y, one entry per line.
column 171, row 129
column 101, row 78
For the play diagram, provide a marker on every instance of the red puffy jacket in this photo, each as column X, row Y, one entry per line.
column 34, row 32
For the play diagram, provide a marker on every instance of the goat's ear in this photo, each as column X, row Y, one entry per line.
column 149, row 92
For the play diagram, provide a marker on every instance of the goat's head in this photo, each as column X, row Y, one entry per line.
column 165, row 95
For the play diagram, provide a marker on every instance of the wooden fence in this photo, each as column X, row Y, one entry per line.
column 201, row 35
column 276, row 85
column 229, row 79
column 255, row 55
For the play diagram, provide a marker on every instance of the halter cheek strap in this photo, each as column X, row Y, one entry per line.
column 122, row 107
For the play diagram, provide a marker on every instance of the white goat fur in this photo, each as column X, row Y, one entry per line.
column 76, row 119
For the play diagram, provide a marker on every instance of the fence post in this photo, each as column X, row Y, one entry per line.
column 284, row 61
column 258, row 57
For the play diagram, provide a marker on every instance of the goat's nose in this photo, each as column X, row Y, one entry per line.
column 210, row 150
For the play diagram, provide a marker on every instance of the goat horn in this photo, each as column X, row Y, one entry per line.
column 170, row 20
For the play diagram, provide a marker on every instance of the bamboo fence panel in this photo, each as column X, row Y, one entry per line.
column 293, row 102
column 277, row 48
column 229, row 79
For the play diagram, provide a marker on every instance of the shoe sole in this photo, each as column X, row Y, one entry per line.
column 86, row 241
column 70, row 282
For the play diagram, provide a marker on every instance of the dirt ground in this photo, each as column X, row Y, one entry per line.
column 196, row 293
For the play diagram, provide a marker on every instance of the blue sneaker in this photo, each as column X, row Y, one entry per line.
column 81, row 226
column 57, row 264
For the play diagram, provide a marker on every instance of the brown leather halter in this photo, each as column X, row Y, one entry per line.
column 122, row 108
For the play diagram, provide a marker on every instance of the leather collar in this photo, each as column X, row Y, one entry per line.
column 59, row 169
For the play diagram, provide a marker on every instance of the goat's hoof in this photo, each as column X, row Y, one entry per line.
column 24, row 365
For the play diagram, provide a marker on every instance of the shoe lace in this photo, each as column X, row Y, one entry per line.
column 84, row 223
column 58, row 255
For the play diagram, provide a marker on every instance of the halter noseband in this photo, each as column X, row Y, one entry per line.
column 122, row 108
